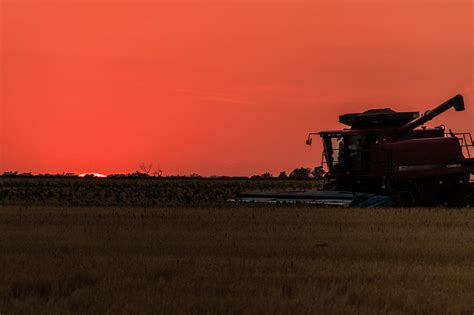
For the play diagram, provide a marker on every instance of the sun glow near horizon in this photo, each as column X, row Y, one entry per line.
column 95, row 175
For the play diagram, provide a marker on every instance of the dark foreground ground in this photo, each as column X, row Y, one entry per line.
column 235, row 260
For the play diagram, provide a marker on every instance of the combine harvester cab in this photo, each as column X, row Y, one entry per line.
column 384, row 158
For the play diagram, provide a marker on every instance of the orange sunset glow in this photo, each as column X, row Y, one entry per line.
column 216, row 87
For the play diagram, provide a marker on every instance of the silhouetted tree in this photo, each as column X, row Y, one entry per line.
column 301, row 172
column 117, row 176
column 146, row 169
column 138, row 174
column 10, row 174
column 158, row 172
column 282, row 175
column 318, row 172
column 266, row 175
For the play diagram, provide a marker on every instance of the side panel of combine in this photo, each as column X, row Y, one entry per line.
column 419, row 158
column 427, row 171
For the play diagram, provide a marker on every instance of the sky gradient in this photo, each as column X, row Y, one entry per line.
column 215, row 87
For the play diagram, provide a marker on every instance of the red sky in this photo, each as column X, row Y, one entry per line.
column 216, row 86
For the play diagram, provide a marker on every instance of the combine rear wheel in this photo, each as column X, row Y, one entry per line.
column 463, row 197
column 407, row 196
column 466, row 198
column 468, row 202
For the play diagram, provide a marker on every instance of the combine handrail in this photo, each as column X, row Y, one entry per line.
column 465, row 140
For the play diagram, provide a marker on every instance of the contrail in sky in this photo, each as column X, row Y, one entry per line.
column 213, row 97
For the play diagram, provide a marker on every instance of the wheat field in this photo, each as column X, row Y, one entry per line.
column 236, row 259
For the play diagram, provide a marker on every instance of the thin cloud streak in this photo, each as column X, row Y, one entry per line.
column 228, row 100
column 214, row 97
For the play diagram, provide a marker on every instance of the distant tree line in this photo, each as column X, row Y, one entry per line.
column 147, row 172
column 29, row 174
column 298, row 173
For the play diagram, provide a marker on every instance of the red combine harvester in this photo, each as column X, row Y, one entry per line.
column 385, row 159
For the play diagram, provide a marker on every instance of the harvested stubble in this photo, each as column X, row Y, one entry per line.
column 236, row 259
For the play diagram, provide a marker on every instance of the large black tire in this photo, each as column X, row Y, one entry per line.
column 465, row 198
column 408, row 195
column 468, row 201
